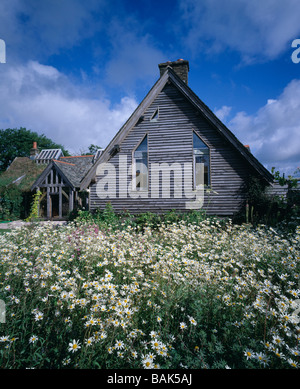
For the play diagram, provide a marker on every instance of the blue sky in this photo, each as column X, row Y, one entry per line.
column 75, row 70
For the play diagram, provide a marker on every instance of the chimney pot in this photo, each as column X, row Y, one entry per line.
column 34, row 151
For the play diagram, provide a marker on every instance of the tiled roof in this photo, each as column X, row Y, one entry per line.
column 75, row 168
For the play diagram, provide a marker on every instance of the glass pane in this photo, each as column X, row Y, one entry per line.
column 140, row 154
column 202, row 159
column 143, row 146
column 200, row 151
column 201, row 176
column 141, row 165
column 141, row 174
column 197, row 142
column 201, row 155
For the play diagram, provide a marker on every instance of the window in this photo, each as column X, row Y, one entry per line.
column 201, row 162
column 141, row 166
column 155, row 116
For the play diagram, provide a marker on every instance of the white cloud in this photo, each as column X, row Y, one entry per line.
column 134, row 56
column 44, row 100
column 257, row 29
column 33, row 30
column 93, row 34
column 223, row 112
column 273, row 133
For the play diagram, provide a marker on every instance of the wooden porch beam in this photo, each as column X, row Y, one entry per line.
column 60, row 203
column 48, row 203
column 71, row 199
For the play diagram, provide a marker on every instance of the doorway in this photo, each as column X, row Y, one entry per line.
column 54, row 205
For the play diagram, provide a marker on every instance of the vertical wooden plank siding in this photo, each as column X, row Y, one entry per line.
column 170, row 141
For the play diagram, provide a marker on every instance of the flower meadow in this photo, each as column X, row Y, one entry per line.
column 209, row 295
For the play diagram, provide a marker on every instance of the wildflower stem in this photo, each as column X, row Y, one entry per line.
column 265, row 322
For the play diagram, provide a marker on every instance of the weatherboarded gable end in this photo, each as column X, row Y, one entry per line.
column 169, row 116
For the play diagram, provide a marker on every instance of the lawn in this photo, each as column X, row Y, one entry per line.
column 180, row 295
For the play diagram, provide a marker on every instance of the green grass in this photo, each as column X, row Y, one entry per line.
column 3, row 230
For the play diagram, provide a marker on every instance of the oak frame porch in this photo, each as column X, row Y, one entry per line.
column 52, row 182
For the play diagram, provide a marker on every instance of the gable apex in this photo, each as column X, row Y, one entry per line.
column 180, row 67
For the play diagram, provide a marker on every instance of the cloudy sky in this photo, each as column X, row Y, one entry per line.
column 75, row 70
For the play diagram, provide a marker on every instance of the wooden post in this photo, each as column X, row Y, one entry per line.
column 48, row 203
column 60, row 203
column 38, row 210
column 71, row 199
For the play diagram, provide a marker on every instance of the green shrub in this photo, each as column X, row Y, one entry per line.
column 261, row 208
column 10, row 203
column 34, row 211
column 108, row 219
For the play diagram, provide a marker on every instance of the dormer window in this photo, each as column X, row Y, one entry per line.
column 201, row 159
column 140, row 166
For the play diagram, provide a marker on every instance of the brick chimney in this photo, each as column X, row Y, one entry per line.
column 180, row 67
column 34, row 151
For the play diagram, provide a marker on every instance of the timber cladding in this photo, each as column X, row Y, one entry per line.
column 170, row 140
column 161, row 133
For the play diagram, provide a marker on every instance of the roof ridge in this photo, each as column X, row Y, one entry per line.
column 67, row 163
column 78, row 156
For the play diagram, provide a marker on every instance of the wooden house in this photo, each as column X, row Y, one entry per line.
column 173, row 153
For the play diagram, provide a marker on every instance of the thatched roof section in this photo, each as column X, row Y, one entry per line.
column 26, row 173
column 22, row 172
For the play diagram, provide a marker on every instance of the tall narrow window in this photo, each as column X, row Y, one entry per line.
column 201, row 162
column 141, row 165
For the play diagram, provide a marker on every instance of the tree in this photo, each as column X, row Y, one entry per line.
column 92, row 149
column 18, row 142
column 291, row 181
